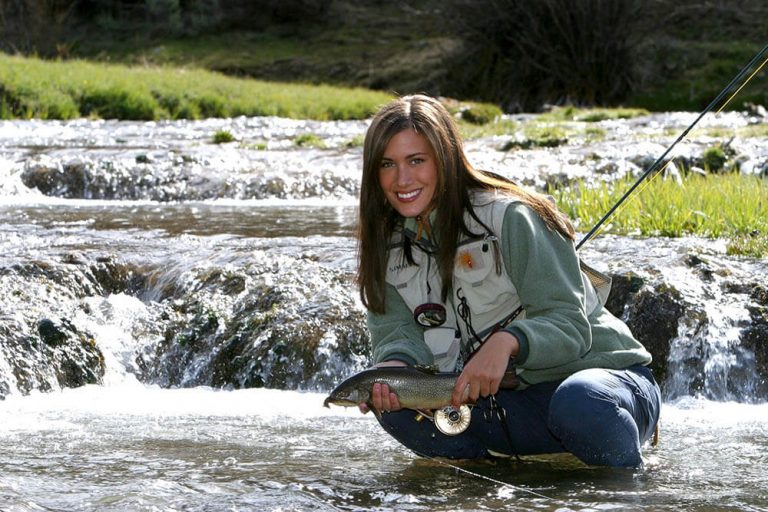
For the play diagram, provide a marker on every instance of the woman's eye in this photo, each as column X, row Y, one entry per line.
column 416, row 161
column 386, row 165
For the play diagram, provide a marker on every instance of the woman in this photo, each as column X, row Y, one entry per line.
column 464, row 270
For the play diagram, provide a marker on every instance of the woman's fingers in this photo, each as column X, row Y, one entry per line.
column 382, row 399
column 460, row 391
column 483, row 372
column 394, row 403
column 473, row 384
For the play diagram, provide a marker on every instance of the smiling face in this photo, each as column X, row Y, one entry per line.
column 408, row 173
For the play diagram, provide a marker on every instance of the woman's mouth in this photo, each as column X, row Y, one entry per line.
column 409, row 196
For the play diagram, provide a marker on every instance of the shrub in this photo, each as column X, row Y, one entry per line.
column 581, row 52
column 714, row 159
column 212, row 106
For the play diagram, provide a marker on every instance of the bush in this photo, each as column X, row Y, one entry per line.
column 212, row 106
column 579, row 52
column 714, row 159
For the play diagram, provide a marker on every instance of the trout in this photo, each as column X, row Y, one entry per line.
column 416, row 388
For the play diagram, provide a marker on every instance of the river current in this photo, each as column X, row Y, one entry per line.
column 163, row 198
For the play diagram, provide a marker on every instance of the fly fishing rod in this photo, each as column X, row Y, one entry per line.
column 591, row 234
column 657, row 163
column 655, row 166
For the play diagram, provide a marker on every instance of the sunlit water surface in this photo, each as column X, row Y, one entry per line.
column 133, row 447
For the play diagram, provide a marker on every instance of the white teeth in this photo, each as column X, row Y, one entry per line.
column 408, row 195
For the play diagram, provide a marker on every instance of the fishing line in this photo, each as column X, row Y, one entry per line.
column 725, row 104
column 484, row 477
column 655, row 165
column 744, row 84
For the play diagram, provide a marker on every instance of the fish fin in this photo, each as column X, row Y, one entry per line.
column 431, row 369
column 425, row 413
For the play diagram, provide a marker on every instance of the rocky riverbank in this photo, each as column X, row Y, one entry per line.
column 143, row 251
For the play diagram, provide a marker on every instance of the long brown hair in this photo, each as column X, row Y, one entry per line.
column 456, row 177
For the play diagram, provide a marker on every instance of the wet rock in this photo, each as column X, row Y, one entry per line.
column 623, row 287
column 54, row 334
column 263, row 327
column 702, row 266
column 58, row 356
column 41, row 347
column 114, row 276
column 653, row 316
column 53, row 179
column 755, row 336
column 652, row 312
column 756, row 110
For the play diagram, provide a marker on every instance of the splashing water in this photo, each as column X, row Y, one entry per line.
column 197, row 243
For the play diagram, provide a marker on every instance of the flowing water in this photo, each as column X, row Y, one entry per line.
column 160, row 197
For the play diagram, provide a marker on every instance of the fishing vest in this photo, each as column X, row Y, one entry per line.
column 482, row 300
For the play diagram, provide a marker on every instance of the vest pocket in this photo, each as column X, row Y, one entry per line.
column 399, row 272
column 444, row 345
column 474, row 261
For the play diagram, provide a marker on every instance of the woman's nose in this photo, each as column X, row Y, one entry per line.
column 404, row 176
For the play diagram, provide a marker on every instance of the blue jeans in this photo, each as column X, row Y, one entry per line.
column 601, row 416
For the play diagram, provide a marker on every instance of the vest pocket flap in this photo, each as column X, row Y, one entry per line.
column 474, row 261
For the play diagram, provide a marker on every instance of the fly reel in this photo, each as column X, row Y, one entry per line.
column 452, row 421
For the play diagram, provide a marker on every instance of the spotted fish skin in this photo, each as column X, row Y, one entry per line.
column 416, row 388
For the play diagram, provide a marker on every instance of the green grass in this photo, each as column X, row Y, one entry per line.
column 704, row 68
column 729, row 206
column 494, row 128
column 743, row 132
column 538, row 135
column 222, row 137
column 591, row 115
column 34, row 88
column 309, row 140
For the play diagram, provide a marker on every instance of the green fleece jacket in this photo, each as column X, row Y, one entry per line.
column 556, row 337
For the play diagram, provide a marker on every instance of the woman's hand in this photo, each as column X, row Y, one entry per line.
column 482, row 374
column 382, row 398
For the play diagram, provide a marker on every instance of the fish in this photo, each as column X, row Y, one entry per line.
column 424, row 390
column 416, row 387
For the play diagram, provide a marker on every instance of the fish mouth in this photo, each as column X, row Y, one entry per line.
column 344, row 402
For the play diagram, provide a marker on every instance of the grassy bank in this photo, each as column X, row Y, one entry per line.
column 719, row 206
column 662, row 55
column 729, row 206
column 34, row 88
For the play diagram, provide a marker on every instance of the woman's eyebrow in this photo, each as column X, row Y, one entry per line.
column 411, row 155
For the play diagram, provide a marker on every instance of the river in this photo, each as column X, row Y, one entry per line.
column 155, row 433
